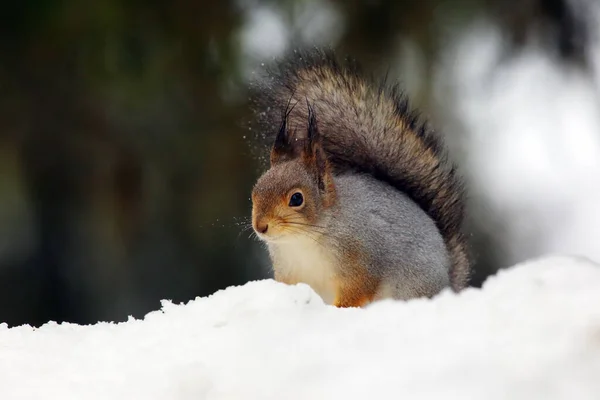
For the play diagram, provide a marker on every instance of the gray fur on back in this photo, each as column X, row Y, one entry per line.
column 404, row 248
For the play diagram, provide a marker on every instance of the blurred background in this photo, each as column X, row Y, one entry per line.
column 126, row 155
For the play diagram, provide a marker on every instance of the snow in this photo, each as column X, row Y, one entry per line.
column 532, row 331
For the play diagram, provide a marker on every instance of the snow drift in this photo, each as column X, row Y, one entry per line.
column 533, row 331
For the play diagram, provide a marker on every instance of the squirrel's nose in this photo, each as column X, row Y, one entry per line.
column 262, row 227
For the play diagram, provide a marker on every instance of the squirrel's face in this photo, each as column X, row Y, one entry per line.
column 286, row 201
column 290, row 197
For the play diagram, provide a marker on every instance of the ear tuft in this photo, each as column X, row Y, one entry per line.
column 283, row 147
column 313, row 152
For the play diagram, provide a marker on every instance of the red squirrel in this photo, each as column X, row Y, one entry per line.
column 360, row 201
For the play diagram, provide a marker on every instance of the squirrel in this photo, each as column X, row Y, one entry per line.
column 360, row 201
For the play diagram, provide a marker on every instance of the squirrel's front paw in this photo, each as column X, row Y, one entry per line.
column 354, row 295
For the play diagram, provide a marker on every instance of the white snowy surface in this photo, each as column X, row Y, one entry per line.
column 532, row 332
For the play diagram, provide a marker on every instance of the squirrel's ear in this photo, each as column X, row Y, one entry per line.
column 282, row 147
column 313, row 152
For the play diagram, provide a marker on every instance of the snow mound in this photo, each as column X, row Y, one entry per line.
column 533, row 331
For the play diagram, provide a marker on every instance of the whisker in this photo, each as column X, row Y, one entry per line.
column 306, row 234
column 244, row 229
column 305, row 224
column 295, row 216
column 313, row 232
column 253, row 235
column 313, row 235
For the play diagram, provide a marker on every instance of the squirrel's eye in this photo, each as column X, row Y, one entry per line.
column 296, row 200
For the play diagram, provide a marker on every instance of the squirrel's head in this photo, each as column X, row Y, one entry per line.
column 290, row 197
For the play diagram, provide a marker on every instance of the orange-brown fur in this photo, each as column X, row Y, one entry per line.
column 355, row 286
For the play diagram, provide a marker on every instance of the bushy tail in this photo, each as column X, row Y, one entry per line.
column 368, row 127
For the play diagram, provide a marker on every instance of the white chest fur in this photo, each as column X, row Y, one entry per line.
column 304, row 260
